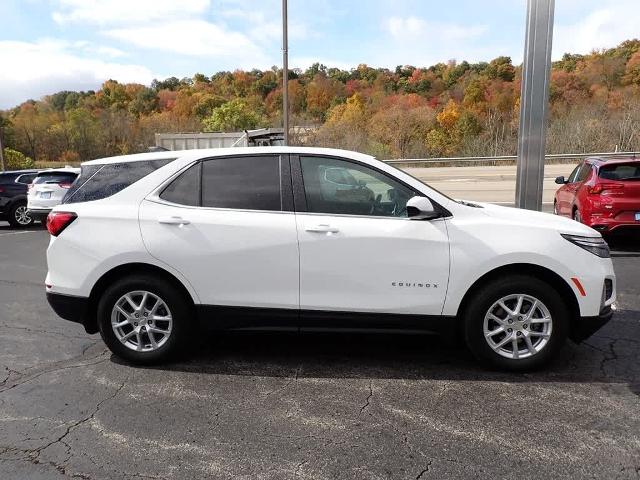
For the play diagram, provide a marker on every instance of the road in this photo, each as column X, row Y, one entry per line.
column 315, row 407
column 487, row 184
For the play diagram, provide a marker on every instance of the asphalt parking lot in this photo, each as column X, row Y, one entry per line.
column 321, row 406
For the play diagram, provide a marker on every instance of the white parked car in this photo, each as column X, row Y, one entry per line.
column 48, row 189
column 147, row 247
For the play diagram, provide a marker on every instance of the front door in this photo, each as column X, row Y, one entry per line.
column 358, row 250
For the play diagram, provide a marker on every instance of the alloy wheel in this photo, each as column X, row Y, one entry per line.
column 141, row 321
column 22, row 215
column 518, row 326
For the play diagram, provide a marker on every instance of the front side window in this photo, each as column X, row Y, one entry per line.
column 574, row 174
column 335, row 186
column 245, row 183
column 584, row 173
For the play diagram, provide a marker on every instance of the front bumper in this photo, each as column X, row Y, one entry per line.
column 584, row 327
column 71, row 308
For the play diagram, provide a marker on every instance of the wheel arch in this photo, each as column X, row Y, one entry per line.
column 91, row 322
column 537, row 271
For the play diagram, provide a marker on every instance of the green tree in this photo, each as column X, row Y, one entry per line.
column 232, row 116
column 16, row 160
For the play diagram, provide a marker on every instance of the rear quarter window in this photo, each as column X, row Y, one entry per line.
column 101, row 181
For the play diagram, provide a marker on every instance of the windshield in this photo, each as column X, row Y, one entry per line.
column 621, row 171
column 426, row 184
column 55, row 177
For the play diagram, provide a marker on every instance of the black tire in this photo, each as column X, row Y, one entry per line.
column 15, row 215
column 179, row 307
column 576, row 215
column 478, row 307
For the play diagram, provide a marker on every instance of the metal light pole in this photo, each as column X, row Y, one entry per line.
column 2, row 164
column 534, row 99
column 285, row 74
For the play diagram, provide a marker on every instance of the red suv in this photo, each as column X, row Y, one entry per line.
column 602, row 193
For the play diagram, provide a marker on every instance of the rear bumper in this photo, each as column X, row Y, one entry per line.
column 70, row 308
column 584, row 327
column 39, row 213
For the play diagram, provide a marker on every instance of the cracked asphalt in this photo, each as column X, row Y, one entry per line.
column 315, row 407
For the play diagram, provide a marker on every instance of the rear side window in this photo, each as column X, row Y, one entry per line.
column 620, row 172
column 184, row 190
column 26, row 179
column 101, row 181
column 247, row 183
column 55, row 177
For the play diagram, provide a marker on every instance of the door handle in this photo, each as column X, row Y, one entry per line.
column 173, row 221
column 322, row 229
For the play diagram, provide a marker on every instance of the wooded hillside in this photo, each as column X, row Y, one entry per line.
column 445, row 109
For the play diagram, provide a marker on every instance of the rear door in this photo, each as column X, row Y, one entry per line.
column 358, row 250
column 566, row 193
column 227, row 224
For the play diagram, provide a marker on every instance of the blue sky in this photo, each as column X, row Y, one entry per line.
column 50, row 45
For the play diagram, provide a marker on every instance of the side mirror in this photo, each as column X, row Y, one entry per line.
column 560, row 180
column 421, row 208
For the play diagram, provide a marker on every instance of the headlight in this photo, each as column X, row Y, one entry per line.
column 595, row 245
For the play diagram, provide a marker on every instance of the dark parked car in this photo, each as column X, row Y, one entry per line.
column 13, row 196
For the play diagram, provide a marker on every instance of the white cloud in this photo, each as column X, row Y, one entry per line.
column 34, row 69
column 103, row 12
column 601, row 28
column 412, row 27
column 189, row 37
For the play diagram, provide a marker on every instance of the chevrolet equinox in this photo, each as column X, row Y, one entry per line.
column 147, row 247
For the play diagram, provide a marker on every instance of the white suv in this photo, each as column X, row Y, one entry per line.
column 146, row 247
column 48, row 190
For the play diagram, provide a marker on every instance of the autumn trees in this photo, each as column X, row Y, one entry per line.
column 447, row 109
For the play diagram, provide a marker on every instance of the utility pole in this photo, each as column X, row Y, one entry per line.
column 285, row 74
column 534, row 99
column 2, row 164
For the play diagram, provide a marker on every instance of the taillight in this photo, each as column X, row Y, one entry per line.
column 65, row 185
column 602, row 187
column 58, row 221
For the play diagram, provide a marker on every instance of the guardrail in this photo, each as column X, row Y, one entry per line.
column 504, row 159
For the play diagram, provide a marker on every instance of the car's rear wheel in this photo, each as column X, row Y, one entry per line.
column 144, row 320
column 516, row 323
column 19, row 216
column 576, row 215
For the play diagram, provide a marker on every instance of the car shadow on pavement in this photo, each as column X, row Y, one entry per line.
column 409, row 357
column 624, row 245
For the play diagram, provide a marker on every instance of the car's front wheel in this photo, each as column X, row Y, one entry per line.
column 19, row 216
column 143, row 319
column 516, row 323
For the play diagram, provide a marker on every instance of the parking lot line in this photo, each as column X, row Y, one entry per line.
column 17, row 233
